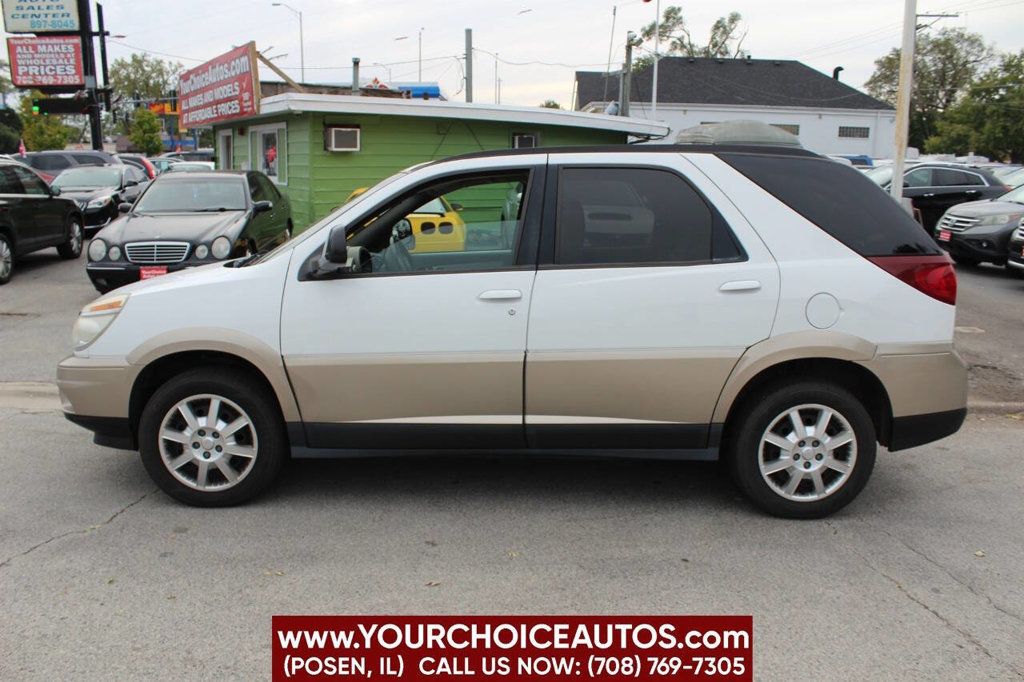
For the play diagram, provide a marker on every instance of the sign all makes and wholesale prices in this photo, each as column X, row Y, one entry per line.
column 222, row 89
column 46, row 62
column 47, row 16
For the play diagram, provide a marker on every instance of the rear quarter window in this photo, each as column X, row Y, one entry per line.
column 839, row 200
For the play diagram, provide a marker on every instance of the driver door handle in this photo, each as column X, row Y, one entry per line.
column 741, row 285
column 501, row 295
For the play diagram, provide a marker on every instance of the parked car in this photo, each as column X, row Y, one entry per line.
column 936, row 187
column 191, row 155
column 50, row 163
column 979, row 231
column 1015, row 253
column 33, row 217
column 140, row 162
column 163, row 163
column 185, row 220
column 190, row 167
column 99, row 190
column 1013, row 178
column 794, row 319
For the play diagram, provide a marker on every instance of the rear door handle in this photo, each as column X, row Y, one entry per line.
column 741, row 285
column 930, row 194
column 501, row 295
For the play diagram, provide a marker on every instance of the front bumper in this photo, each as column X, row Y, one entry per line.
column 95, row 218
column 988, row 245
column 96, row 393
column 106, row 275
column 1015, row 255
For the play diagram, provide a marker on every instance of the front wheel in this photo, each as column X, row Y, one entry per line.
column 6, row 259
column 72, row 248
column 212, row 438
column 802, row 451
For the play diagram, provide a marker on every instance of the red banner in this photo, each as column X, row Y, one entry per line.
column 222, row 89
column 46, row 62
column 558, row 648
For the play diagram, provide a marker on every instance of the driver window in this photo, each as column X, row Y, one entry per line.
column 466, row 223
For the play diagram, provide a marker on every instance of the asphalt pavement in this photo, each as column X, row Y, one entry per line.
column 103, row 577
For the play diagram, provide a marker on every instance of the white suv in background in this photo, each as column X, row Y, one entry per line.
column 768, row 306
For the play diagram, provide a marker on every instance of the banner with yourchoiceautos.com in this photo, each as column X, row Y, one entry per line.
column 559, row 648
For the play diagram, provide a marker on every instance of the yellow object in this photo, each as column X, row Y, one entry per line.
column 436, row 226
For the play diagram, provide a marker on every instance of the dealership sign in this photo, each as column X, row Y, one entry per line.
column 222, row 89
column 46, row 62
column 49, row 16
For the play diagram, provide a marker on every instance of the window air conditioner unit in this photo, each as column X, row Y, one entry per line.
column 341, row 138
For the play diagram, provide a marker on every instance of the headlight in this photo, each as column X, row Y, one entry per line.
column 95, row 318
column 99, row 203
column 97, row 249
column 202, row 251
column 998, row 219
column 221, row 247
column 114, row 253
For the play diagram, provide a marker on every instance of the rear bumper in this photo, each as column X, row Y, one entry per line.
column 919, row 429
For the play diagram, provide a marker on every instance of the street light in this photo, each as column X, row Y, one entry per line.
column 302, row 44
column 420, row 51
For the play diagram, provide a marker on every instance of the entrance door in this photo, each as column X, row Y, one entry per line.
column 426, row 348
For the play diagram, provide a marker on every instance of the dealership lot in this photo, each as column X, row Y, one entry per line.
column 102, row 576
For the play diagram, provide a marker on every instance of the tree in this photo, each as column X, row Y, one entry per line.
column 41, row 132
column 550, row 104
column 944, row 67
column 147, row 77
column 145, row 132
column 724, row 40
column 10, row 131
column 989, row 120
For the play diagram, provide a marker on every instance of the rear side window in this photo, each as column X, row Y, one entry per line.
column 630, row 215
column 950, row 177
column 89, row 160
column 9, row 183
column 839, row 200
column 49, row 162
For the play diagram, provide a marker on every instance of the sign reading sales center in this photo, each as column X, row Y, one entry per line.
column 48, row 16
column 46, row 62
column 222, row 89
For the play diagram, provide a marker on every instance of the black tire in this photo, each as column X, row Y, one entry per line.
column 742, row 447
column 72, row 248
column 250, row 395
column 962, row 260
column 6, row 259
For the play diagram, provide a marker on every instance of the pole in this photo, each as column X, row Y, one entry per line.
column 103, row 55
column 419, row 78
column 627, row 68
column 497, row 99
column 903, row 97
column 657, row 42
column 608, row 71
column 302, row 51
column 469, row 65
column 89, row 67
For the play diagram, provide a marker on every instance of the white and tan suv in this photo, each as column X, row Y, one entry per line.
column 768, row 306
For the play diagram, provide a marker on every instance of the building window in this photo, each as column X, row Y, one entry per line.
column 855, row 131
column 525, row 140
column 268, row 152
column 791, row 128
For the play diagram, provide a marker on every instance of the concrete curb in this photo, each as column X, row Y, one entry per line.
column 994, row 407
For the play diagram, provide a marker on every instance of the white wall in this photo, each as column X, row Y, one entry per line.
column 819, row 128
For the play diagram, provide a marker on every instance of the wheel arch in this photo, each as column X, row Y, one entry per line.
column 839, row 361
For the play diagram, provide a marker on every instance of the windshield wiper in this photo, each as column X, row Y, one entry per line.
column 220, row 209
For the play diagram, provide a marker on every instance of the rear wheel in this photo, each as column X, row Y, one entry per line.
column 802, row 451
column 72, row 248
column 6, row 259
column 212, row 438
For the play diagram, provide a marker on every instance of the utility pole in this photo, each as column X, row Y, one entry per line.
column 657, row 56
column 903, row 98
column 497, row 98
column 89, row 69
column 469, row 65
column 627, row 72
column 420, row 77
column 103, row 55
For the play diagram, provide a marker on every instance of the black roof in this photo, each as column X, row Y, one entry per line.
column 752, row 82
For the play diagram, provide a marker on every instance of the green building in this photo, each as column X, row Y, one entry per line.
column 319, row 148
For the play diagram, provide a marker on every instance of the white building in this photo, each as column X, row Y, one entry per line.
column 827, row 115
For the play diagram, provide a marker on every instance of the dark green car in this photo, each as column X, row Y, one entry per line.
column 185, row 220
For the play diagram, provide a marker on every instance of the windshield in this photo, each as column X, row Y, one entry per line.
column 91, row 176
column 1014, row 195
column 186, row 196
column 1014, row 179
column 880, row 176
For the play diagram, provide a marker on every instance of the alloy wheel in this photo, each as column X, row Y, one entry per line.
column 208, row 442
column 76, row 238
column 807, row 453
column 6, row 260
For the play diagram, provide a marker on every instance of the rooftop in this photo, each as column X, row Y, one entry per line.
column 294, row 102
column 751, row 82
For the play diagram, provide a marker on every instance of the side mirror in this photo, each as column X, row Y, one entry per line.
column 131, row 183
column 401, row 230
column 339, row 258
column 262, row 206
column 124, row 207
column 54, row 191
column 457, row 207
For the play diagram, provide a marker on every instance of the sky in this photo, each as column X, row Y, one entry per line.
column 539, row 43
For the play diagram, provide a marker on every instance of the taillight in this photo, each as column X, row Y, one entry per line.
column 932, row 275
